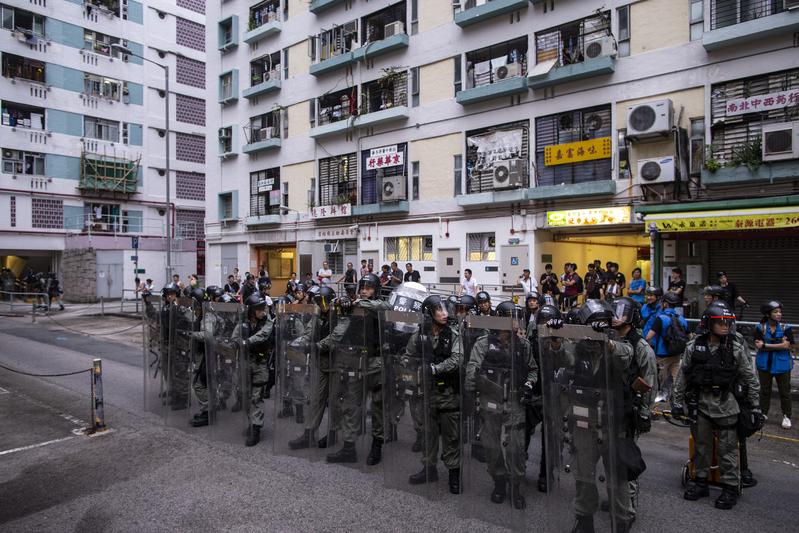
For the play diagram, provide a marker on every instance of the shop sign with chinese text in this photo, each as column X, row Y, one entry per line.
column 561, row 154
column 728, row 222
column 763, row 102
column 331, row 211
column 385, row 157
column 599, row 216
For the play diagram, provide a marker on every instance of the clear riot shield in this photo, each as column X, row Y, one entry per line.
column 406, row 402
column 582, row 425
column 227, row 368
column 156, row 344
column 179, row 362
column 349, row 366
column 494, row 456
column 298, row 375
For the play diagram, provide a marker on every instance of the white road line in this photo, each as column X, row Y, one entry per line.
column 3, row 391
column 32, row 446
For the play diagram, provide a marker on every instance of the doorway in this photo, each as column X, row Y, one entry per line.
column 449, row 264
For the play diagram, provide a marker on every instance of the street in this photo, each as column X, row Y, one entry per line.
column 142, row 476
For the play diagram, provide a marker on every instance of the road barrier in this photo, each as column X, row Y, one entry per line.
column 22, row 302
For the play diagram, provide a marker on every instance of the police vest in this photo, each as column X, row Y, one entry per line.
column 498, row 358
column 711, row 371
column 773, row 361
column 440, row 353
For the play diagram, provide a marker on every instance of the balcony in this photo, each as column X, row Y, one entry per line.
column 571, row 190
column 262, row 139
column 337, row 112
column 100, row 174
column 265, row 87
column 570, row 73
column 381, row 47
column 263, row 220
column 491, row 198
column 403, row 206
column 495, row 71
column 264, row 21
column 474, row 14
column 317, row 6
column 740, row 21
column 506, row 87
column 765, row 174
column 384, row 100
column 333, row 63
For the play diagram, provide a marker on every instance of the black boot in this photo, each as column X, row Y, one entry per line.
column 392, row 433
column 517, row 496
column 299, row 415
column 584, row 524
column 301, row 442
column 478, row 452
column 376, row 453
column 542, row 484
column 346, row 454
column 253, row 436
column 728, row 498
column 428, row 474
column 200, row 419
column 747, row 479
column 500, row 490
column 455, row 480
column 621, row 526
column 418, row 444
column 696, row 489
column 236, row 406
column 287, row 410
column 327, row 440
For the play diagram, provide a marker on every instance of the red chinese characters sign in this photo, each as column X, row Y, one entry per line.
column 384, row 157
column 763, row 102
column 331, row 211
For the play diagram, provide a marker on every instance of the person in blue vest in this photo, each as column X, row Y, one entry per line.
column 650, row 309
column 667, row 341
column 773, row 340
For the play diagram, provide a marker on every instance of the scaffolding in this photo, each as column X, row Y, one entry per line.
column 108, row 173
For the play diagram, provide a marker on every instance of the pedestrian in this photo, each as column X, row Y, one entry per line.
column 54, row 292
column 396, row 275
column 247, row 288
column 667, row 336
column 621, row 281
column 528, row 283
column 324, row 275
column 637, row 288
column 731, row 295
column 612, row 288
column 712, row 364
column 365, row 268
column 232, row 286
column 593, row 284
column 570, row 287
column 773, row 341
column 236, row 276
column 350, row 276
column 677, row 287
column 411, row 274
column 651, row 308
column 469, row 285
column 549, row 286
column 176, row 281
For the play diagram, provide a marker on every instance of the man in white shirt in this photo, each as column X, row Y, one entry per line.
column 527, row 282
column 469, row 284
column 324, row 274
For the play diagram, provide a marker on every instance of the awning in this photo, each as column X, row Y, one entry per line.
column 730, row 220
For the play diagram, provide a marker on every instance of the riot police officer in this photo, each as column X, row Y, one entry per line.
column 172, row 362
column 532, row 303
column 712, row 365
column 498, row 356
column 210, row 325
column 440, row 345
column 483, row 300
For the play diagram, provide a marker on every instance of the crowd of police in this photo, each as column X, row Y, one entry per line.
column 419, row 378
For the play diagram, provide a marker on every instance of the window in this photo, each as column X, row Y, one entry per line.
column 384, row 23
column 337, row 106
column 102, row 87
column 226, row 206
column 414, row 17
column 285, row 201
column 415, row 87
column 697, row 19
column 21, row 162
column 265, row 192
column 497, row 157
column 624, row 31
column 100, row 43
column 458, row 174
column 264, row 13
column 697, row 145
column 338, row 180
column 384, row 175
column 23, row 68
column 265, row 127
column 568, row 44
column 481, row 247
column 730, row 12
column 391, row 90
column 408, row 248
column 339, row 40
column 415, row 180
column 22, row 116
column 265, row 68
column 98, row 128
column 284, row 118
column 458, row 69
column 125, row 133
column 496, row 63
column 226, row 140
column 227, row 86
column 103, row 217
column 285, row 64
column 24, row 21
column 312, row 112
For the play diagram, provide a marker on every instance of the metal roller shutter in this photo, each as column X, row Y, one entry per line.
column 762, row 269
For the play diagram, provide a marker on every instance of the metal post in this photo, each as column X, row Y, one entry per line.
column 102, row 306
column 98, row 411
column 168, row 179
column 653, row 233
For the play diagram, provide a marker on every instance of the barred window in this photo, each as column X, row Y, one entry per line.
column 481, row 246
column 265, row 192
column 338, row 180
column 409, row 248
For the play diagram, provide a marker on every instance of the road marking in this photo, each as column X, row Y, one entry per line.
column 32, row 446
column 3, row 391
column 777, row 437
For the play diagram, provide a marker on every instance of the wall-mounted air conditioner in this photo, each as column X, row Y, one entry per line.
column 504, row 72
column 657, row 170
column 509, row 173
column 266, row 133
column 395, row 28
column 393, row 189
column 650, row 119
column 224, row 134
column 602, row 47
column 781, row 141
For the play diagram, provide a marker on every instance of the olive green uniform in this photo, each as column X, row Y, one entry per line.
column 259, row 343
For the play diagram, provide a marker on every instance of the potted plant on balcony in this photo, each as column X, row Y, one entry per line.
column 749, row 153
column 711, row 163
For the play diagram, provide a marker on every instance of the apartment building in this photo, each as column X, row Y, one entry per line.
column 83, row 190
column 496, row 135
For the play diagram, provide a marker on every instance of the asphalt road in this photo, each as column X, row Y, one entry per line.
column 144, row 476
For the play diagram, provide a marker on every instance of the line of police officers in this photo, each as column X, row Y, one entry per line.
column 474, row 382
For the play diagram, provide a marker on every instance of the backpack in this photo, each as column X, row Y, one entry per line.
column 579, row 284
column 676, row 338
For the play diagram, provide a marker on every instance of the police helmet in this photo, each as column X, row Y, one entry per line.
column 716, row 311
column 255, row 301
column 547, row 313
column 717, row 291
column 170, row 288
column 264, row 283
column 312, row 291
column 214, row 292
column 369, row 280
column 431, row 304
column 573, row 316
column 770, row 306
column 533, row 295
column 351, row 289
column 594, row 311
column 197, row 294
column 282, row 300
column 323, row 297
column 672, row 299
column 657, row 292
column 308, row 283
column 626, row 311
column 467, row 301
column 482, row 297
column 509, row 309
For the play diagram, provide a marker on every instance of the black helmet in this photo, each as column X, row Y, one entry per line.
column 431, row 304
column 718, row 310
column 533, row 295
column 467, row 301
column 323, row 297
column 170, row 288
column 255, row 301
column 264, row 283
column 627, row 311
column 594, row 311
column 214, row 292
column 573, row 316
column 351, row 289
column 198, row 294
column 657, row 292
column 768, row 307
column 369, row 280
column 282, row 300
column 482, row 297
column 308, row 283
column 672, row 299
column 546, row 313
column 509, row 309
column 298, row 288
column 716, row 291
column 312, row 291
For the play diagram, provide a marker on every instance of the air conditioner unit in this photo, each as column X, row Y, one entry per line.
column 650, row 119
column 224, row 134
column 393, row 189
column 781, row 141
column 509, row 173
column 395, row 28
column 602, row 47
column 791, row 4
column 658, row 170
column 266, row 133
column 511, row 70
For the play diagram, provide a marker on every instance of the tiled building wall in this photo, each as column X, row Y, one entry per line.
column 47, row 213
column 198, row 6
column 190, row 109
column 189, row 147
column 190, row 185
column 190, row 34
column 190, row 72
column 190, row 223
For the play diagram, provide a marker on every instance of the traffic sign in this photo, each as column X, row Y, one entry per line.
column 134, row 258
column 134, row 242
column 139, row 271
